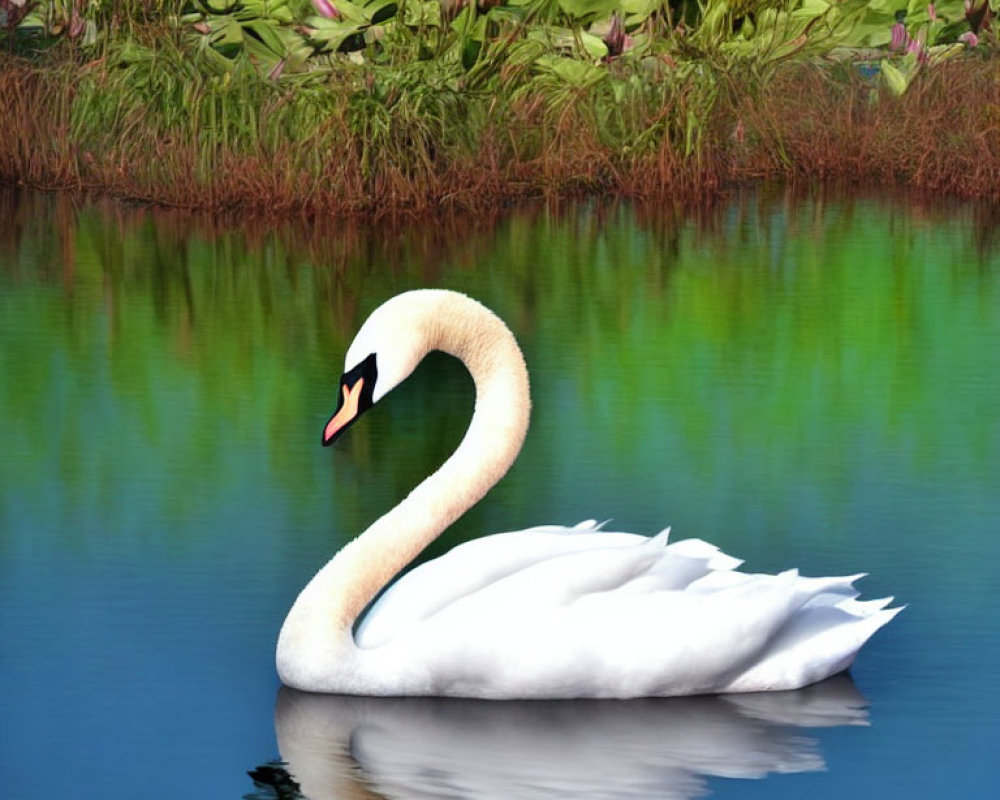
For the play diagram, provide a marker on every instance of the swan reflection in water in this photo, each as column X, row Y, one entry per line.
column 342, row 748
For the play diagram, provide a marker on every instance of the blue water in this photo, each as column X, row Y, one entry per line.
column 803, row 380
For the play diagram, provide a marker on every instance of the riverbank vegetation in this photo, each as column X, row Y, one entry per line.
column 333, row 106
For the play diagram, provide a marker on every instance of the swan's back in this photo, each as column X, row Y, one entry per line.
column 579, row 612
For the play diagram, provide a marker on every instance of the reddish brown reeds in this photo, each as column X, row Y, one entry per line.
column 361, row 154
column 942, row 136
column 36, row 148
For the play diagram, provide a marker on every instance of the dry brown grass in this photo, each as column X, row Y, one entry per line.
column 34, row 107
column 942, row 136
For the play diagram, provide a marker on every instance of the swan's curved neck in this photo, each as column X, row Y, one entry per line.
column 320, row 621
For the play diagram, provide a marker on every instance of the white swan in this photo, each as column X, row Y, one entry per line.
column 548, row 612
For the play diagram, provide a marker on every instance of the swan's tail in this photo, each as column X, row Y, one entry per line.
column 820, row 640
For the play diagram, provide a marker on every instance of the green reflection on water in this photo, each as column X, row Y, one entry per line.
column 149, row 360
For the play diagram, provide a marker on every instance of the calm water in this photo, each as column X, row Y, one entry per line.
column 803, row 381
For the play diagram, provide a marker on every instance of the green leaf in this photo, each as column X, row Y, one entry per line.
column 335, row 32
column 219, row 7
column 90, row 35
column 561, row 39
column 572, row 71
column 580, row 9
column 811, row 9
column 885, row 7
column 226, row 31
column 594, row 45
column 951, row 10
column 618, row 91
column 639, row 8
column 217, row 61
column 894, row 78
column 268, row 35
column 422, row 13
column 870, row 34
column 262, row 56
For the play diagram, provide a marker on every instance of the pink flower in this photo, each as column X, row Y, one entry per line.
column 916, row 46
column 969, row 39
column 616, row 39
column 77, row 25
column 326, row 9
column 931, row 11
column 899, row 41
column 978, row 17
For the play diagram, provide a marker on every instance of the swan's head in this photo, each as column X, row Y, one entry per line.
column 386, row 350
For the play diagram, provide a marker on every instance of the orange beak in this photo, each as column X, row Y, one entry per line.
column 346, row 413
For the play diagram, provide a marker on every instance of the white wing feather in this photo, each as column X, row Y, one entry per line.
column 570, row 612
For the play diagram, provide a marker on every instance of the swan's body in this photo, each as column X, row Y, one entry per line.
column 547, row 612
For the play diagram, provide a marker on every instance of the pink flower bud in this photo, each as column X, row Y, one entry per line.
column 916, row 46
column 969, row 39
column 326, row 9
column 899, row 41
column 77, row 25
column 614, row 39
